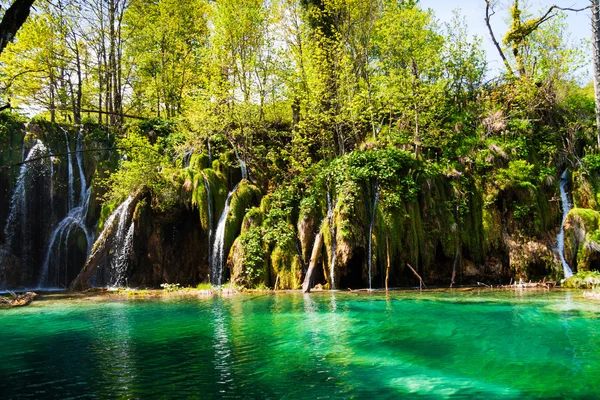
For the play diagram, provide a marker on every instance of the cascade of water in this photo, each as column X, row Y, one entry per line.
column 82, row 180
column 370, row 250
column 218, row 252
column 74, row 220
column 17, row 216
column 186, row 159
column 209, row 206
column 71, row 198
column 560, row 239
column 210, row 160
column 330, row 211
column 121, row 259
column 120, row 240
column 242, row 163
column 60, row 239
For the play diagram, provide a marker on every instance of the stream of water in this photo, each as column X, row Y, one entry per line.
column 219, row 258
column 560, row 239
column 370, row 238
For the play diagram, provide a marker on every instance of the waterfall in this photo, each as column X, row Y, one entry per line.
column 74, row 220
column 82, row 181
column 209, row 206
column 187, row 157
column 242, row 163
column 370, row 250
column 210, row 160
column 71, row 198
column 123, row 242
column 59, row 240
column 121, row 261
column 560, row 239
column 218, row 252
column 330, row 212
column 112, row 248
column 17, row 222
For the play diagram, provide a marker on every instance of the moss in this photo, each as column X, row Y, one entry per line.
column 247, row 260
column 200, row 199
column 585, row 189
column 245, row 197
column 199, row 161
column 583, row 280
column 140, row 209
column 252, row 219
column 589, row 217
column 105, row 212
column 265, row 204
column 287, row 268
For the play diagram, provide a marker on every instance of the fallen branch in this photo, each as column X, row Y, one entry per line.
column 316, row 253
column 421, row 283
column 17, row 300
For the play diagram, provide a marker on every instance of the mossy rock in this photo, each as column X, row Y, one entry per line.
column 286, row 267
column 244, row 198
column 247, row 260
column 582, row 239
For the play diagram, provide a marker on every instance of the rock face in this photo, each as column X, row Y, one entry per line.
column 582, row 239
column 446, row 226
column 164, row 247
column 52, row 186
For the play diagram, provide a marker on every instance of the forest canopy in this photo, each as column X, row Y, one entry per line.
column 294, row 82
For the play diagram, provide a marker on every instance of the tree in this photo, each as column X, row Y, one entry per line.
column 13, row 19
column 522, row 26
column 596, row 59
column 165, row 51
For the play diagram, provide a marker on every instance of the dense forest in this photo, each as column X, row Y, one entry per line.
column 342, row 143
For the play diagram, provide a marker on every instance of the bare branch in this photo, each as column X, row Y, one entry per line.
column 489, row 12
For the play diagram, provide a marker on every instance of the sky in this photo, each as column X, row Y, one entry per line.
column 474, row 12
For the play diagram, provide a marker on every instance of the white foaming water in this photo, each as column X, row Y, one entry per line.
column 209, row 206
column 71, row 198
column 60, row 239
column 330, row 210
column 370, row 250
column 242, row 163
column 560, row 238
column 17, row 216
column 218, row 253
column 74, row 220
column 82, row 180
column 120, row 263
column 121, row 242
column 210, row 160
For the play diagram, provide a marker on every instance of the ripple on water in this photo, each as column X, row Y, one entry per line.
column 482, row 344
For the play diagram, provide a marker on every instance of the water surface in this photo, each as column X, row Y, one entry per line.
column 484, row 344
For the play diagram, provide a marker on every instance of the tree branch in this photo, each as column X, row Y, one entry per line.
column 489, row 12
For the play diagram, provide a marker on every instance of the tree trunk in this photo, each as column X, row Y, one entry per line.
column 314, row 258
column 596, row 43
column 12, row 21
column 389, row 261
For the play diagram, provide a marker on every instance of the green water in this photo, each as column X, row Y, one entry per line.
column 441, row 345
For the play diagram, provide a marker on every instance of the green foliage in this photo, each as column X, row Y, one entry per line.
column 253, row 262
column 170, row 287
column 142, row 165
column 583, row 280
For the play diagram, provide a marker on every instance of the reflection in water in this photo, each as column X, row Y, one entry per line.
column 114, row 349
column 324, row 345
column 221, row 346
column 575, row 366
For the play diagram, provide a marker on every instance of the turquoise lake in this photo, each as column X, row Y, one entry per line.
column 474, row 344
